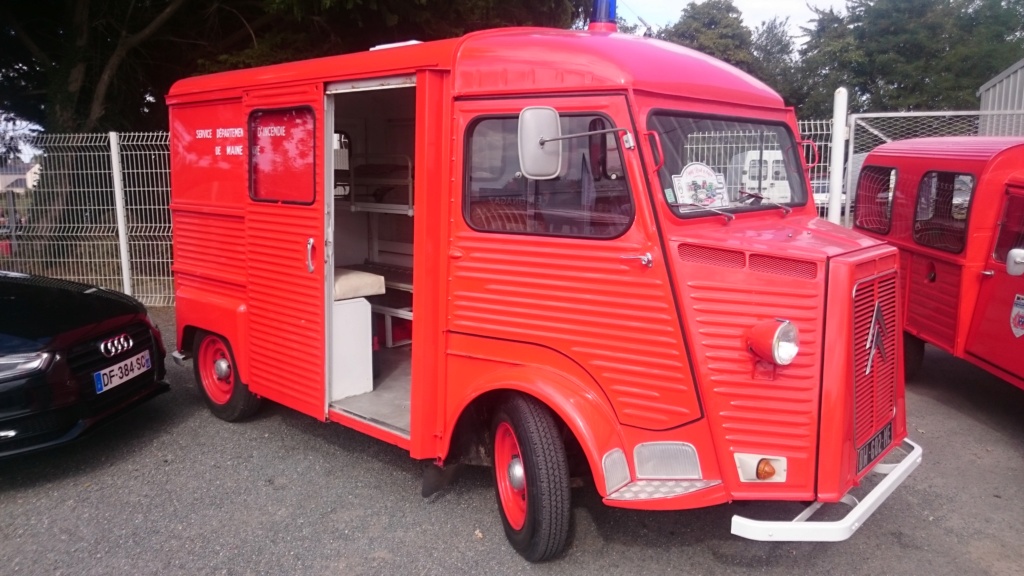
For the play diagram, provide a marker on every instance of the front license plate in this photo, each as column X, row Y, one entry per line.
column 867, row 453
column 122, row 372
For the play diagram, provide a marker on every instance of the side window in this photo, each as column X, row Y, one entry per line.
column 589, row 198
column 758, row 170
column 282, row 166
column 1011, row 228
column 874, row 198
column 778, row 171
column 940, row 216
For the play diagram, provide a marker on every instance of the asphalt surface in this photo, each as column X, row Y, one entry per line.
column 170, row 489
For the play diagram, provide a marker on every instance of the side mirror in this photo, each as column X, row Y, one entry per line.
column 1015, row 262
column 540, row 158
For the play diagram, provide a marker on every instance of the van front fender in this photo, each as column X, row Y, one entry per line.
column 551, row 378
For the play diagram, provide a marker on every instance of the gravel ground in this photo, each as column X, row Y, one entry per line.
column 169, row 489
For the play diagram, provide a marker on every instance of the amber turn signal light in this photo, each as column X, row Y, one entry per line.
column 765, row 470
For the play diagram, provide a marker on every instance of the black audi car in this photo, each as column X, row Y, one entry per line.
column 71, row 356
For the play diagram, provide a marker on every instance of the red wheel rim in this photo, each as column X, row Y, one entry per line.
column 507, row 456
column 217, row 389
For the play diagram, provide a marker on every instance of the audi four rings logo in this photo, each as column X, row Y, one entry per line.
column 116, row 345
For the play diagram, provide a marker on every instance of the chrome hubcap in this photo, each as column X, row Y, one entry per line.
column 516, row 476
column 222, row 369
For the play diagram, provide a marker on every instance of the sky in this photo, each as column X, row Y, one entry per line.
column 658, row 13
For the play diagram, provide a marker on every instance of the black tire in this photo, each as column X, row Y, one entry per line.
column 913, row 355
column 228, row 398
column 544, row 532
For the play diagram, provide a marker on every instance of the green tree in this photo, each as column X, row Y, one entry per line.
column 88, row 65
column 932, row 54
column 714, row 27
column 60, row 62
column 774, row 58
column 827, row 61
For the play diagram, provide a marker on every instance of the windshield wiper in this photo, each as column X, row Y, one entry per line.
column 728, row 217
column 785, row 209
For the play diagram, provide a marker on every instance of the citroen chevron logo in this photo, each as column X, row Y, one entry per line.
column 876, row 336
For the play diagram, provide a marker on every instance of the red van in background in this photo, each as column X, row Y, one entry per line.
column 954, row 206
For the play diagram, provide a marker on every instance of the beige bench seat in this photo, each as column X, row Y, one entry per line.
column 350, row 283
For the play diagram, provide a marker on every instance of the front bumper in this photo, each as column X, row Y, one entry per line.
column 801, row 529
column 52, row 428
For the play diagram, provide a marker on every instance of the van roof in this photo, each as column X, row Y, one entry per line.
column 520, row 60
column 980, row 148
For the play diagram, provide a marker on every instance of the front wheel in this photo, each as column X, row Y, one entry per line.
column 531, row 479
column 217, row 377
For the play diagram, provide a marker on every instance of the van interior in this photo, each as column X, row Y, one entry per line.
column 373, row 144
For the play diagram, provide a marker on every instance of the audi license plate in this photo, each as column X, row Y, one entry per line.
column 122, row 372
column 867, row 453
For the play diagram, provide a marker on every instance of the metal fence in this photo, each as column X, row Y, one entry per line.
column 98, row 214
column 818, row 157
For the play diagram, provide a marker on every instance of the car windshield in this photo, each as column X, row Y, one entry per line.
column 713, row 165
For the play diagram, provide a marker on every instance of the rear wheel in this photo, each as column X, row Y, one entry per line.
column 217, row 377
column 531, row 479
column 913, row 355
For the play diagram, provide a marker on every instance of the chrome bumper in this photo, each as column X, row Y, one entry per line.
column 801, row 530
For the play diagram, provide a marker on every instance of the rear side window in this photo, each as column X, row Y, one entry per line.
column 588, row 199
column 874, row 198
column 1011, row 228
column 940, row 216
column 282, row 156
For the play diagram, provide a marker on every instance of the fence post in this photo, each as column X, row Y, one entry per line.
column 851, row 183
column 835, row 173
column 122, row 220
column 12, row 222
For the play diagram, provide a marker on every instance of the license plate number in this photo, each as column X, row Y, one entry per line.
column 122, row 372
column 867, row 453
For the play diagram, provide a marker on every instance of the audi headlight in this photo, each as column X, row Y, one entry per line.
column 13, row 365
column 776, row 341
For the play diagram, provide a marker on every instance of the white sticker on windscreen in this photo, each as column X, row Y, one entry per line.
column 697, row 184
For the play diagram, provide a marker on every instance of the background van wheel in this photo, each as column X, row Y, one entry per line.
column 913, row 355
column 217, row 377
column 531, row 478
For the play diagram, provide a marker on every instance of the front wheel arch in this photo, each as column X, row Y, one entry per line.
column 591, row 429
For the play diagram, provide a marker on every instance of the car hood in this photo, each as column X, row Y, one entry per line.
column 36, row 310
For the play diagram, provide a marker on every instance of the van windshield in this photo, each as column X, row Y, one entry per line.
column 714, row 164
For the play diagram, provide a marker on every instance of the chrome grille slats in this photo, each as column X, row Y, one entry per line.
column 874, row 390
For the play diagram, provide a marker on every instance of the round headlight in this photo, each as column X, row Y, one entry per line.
column 786, row 343
column 776, row 341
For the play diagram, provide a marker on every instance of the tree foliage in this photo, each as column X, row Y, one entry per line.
column 88, row 65
column 774, row 57
column 893, row 55
column 714, row 27
column 827, row 61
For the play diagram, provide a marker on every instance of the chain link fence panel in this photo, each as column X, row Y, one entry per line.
column 145, row 169
column 66, row 226
column 820, row 133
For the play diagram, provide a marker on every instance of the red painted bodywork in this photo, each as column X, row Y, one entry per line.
column 622, row 353
column 949, row 302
